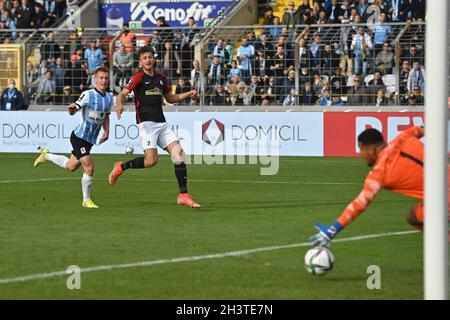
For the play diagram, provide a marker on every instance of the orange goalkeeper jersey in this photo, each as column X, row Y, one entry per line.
column 399, row 168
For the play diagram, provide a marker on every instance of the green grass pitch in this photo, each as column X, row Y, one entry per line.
column 43, row 229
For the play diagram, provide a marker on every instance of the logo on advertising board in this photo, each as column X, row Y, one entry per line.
column 341, row 130
column 213, row 132
column 147, row 11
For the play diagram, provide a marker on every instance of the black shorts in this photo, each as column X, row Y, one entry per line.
column 80, row 147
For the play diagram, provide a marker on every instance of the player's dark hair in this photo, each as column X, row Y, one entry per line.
column 146, row 49
column 370, row 137
column 101, row 69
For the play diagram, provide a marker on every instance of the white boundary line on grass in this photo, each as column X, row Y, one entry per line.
column 193, row 258
column 193, row 180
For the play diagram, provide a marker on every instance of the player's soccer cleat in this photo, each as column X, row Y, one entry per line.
column 42, row 157
column 89, row 204
column 115, row 173
column 185, row 199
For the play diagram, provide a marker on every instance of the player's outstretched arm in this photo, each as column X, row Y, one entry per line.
column 372, row 187
column 174, row 98
column 105, row 126
column 119, row 104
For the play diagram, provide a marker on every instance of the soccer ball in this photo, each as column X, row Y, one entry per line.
column 129, row 149
column 319, row 260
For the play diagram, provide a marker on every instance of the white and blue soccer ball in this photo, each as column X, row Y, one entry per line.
column 129, row 149
column 319, row 260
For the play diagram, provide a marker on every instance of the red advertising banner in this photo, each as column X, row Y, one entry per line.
column 342, row 129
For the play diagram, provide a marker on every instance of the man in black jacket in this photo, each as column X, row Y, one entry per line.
column 11, row 98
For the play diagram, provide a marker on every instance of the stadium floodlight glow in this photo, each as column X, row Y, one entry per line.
column 436, row 153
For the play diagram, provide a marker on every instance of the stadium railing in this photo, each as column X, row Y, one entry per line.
column 309, row 80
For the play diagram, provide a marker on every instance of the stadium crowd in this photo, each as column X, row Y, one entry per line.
column 357, row 68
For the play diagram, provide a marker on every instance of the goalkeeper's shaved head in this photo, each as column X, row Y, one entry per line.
column 370, row 137
column 371, row 142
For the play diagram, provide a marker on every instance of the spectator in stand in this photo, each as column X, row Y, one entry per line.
column 219, row 51
column 127, row 38
column 333, row 12
column 289, row 17
column 24, row 15
column 40, row 17
column 11, row 98
column 305, row 6
column 262, row 65
column 325, row 98
column 22, row 38
column 31, row 75
column 270, row 89
column 289, row 83
column 52, row 10
column 8, row 22
column 305, row 77
column 230, row 52
column 338, row 83
column 42, row 69
column 50, row 50
column 165, row 33
column 58, row 75
column 67, row 97
column 414, row 54
column 275, row 31
column 357, row 94
column 384, row 61
column 183, row 87
column 234, row 70
column 382, row 33
column 122, row 62
column 316, row 52
column 46, row 89
column 76, row 76
column 264, row 46
column 290, row 99
column 304, row 55
column 416, row 77
column 375, row 85
column 361, row 45
column 398, row 10
column 94, row 57
column 170, row 61
column 268, row 17
column 220, row 97
column 417, row 8
column 419, row 96
column 242, row 97
column 245, row 55
column 216, row 73
column 346, row 10
column 404, row 76
column 15, row 9
column 197, row 77
column 381, row 100
column 363, row 10
column 329, row 60
column 279, row 65
column 308, row 97
column 256, row 90
column 337, row 101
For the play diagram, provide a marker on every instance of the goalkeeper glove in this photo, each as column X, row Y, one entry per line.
column 325, row 234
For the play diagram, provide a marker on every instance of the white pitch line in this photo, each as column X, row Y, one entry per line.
column 193, row 258
column 195, row 180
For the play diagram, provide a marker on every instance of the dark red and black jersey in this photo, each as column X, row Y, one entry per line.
column 148, row 95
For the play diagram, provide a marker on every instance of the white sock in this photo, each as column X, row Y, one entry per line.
column 58, row 160
column 86, row 186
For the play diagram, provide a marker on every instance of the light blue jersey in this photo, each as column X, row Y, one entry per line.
column 94, row 107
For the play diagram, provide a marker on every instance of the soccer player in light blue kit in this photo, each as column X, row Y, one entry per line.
column 95, row 107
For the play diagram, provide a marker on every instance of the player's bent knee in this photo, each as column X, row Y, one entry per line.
column 148, row 163
column 89, row 170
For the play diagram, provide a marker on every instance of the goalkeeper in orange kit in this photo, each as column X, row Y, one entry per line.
column 397, row 166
